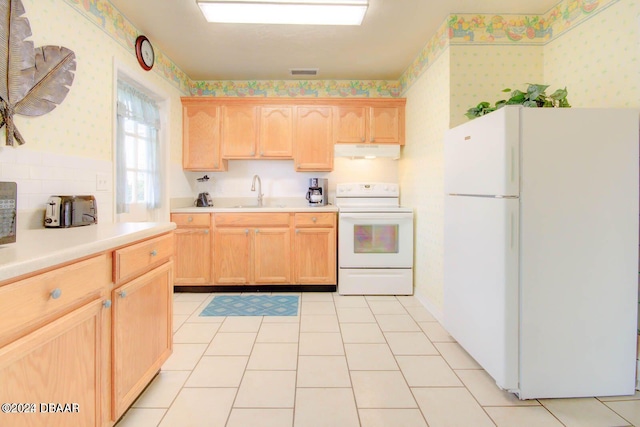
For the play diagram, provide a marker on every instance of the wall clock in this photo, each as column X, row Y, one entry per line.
column 144, row 53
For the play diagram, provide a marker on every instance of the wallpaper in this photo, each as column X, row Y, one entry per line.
column 465, row 29
column 421, row 175
column 599, row 61
column 480, row 73
column 504, row 30
column 104, row 15
column 298, row 88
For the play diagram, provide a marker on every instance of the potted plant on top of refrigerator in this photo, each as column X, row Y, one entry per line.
column 534, row 97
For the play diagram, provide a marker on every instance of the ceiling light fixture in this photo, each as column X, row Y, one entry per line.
column 309, row 12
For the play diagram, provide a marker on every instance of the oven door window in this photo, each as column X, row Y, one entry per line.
column 375, row 239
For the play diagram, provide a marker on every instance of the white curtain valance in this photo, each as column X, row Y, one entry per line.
column 137, row 106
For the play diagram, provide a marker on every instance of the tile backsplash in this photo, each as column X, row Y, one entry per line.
column 41, row 174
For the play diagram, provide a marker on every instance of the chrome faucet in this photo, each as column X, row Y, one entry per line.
column 253, row 188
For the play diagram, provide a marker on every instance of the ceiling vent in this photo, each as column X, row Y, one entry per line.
column 303, row 72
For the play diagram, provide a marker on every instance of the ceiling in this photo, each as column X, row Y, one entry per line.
column 391, row 36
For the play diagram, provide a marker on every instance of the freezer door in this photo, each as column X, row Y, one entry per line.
column 481, row 282
column 481, row 157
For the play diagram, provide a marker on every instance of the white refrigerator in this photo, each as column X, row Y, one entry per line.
column 541, row 248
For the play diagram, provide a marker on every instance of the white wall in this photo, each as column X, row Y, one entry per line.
column 278, row 177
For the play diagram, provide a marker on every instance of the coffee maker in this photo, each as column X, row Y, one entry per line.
column 318, row 194
column 204, row 198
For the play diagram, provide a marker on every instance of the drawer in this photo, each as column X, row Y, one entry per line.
column 138, row 258
column 320, row 219
column 33, row 301
column 252, row 220
column 191, row 220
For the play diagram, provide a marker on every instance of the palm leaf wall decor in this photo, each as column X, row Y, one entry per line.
column 32, row 81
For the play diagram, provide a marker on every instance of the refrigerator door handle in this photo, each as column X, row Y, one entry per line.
column 512, row 164
column 512, row 232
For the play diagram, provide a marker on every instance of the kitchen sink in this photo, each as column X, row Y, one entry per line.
column 258, row 207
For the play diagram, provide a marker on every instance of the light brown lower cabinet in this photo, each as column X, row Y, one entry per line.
column 141, row 333
column 54, row 346
column 79, row 342
column 193, row 249
column 251, row 253
column 58, row 364
column 270, row 248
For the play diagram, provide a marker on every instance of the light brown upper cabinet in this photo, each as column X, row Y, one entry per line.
column 305, row 130
column 201, row 136
column 239, row 131
column 257, row 132
column 313, row 138
column 374, row 124
column 276, row 132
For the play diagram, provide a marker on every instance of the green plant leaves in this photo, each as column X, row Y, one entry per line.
column 534, row 97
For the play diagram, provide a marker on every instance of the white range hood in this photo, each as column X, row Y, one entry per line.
column 367, row 151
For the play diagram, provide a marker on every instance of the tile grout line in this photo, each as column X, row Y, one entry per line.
column 346, row 359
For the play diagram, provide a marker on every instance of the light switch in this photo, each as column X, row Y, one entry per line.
column 102, row 182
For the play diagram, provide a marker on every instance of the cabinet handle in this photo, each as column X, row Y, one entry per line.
column 362, row 139
column 107, row 303
column 297, row 231
column 122, row 294
column 190, row 219
column 373, row 139
column 206, row 231
column 246, row 231
column 56, row 293
column 154, row 253
column 257, row 230
column 314, row 219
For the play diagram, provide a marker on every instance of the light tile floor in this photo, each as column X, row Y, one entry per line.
column 373, row 361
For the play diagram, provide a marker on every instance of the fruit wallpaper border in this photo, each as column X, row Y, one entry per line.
column 476, row 29
column 457, row 29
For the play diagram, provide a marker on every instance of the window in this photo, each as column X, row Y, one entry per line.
column 138, row 160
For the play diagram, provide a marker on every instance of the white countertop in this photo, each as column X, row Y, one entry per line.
column 36, row 249
column 294, row 204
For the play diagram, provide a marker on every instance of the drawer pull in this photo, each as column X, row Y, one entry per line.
column 206, row 231
column 257, row 230
column 190, row 219
column 122, row 294
column 56, row 293
column 246, row 231
column 314, row 219
column 154, row 252
column 107, row 303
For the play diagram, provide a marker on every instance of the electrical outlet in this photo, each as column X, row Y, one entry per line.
column 102, row 182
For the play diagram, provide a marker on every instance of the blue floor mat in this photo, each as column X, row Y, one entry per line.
column 252, row 305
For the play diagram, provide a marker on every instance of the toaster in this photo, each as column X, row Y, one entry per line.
column 70, row 211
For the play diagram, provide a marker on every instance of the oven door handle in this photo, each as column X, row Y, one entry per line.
column 377, row 216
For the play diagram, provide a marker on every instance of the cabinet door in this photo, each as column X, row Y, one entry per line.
column 232, row 261
column 272, row 255
column 142, row 341
column 313, row 139
column 58, row 363
column 315, row 256
column 384, row 123
column 201, row 138
column 239, row 131
column 193, row 256
column 276, row 132
column 351, row 124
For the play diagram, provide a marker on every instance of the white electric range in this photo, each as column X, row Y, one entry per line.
column 375, row 240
